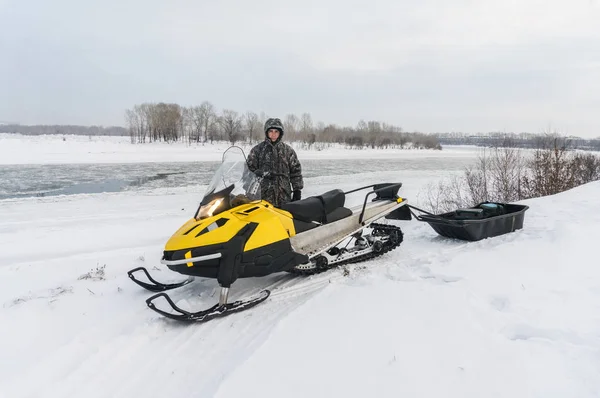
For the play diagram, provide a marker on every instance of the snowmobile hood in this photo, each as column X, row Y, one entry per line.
column 273, row 225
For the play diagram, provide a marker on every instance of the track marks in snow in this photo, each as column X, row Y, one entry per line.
column 128, row 346
column 527, row 332
column 412, row 265
column 117, row 354
column 50, row 294
column 500, row 303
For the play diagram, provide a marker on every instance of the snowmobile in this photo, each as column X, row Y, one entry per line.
column 236, row 234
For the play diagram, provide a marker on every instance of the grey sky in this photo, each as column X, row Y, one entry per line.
column 427, row 65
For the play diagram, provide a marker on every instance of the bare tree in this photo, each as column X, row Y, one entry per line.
column 187, row 124
column 231, row 124
column 306, row 127
column 374, row 130
column 146, row 112
column 549, row 169
column 585, row 168
column 165, row 121
column 134, row 123
column 446, row 195
column 253, row 126
column 291, row 124
column 208, row 117
column 506, row 174
column 496, row 177
column 197, row 122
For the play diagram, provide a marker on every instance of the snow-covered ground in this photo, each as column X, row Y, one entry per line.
column 50, row 149
column 512, row 316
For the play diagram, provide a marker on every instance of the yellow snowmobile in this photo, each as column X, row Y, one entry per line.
column 234, row 234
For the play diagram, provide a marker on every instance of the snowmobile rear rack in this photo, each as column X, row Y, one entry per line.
column 384, row 191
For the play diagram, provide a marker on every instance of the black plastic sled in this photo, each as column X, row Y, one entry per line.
column 486, row 220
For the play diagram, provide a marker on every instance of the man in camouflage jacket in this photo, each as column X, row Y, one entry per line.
column 278, row 164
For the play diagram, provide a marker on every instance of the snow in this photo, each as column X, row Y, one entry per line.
column 512, row 316
column 51, row 149
column 516, row 315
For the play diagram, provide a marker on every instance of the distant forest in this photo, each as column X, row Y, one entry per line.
column 514, row 140
column 63, row 129
column 168, row 122
column 150, row 122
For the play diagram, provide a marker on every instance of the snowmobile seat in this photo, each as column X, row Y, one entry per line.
column 338, row 214
column 332, row 200
column 316, row 208
column 302, row 226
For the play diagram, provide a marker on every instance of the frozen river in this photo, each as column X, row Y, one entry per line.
column 39, row 180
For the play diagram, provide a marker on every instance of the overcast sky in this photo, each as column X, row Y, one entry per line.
column 426, row 65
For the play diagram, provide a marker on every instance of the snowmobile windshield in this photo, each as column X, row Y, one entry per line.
column 233, row 184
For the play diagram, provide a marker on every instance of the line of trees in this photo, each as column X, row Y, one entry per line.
column 64, row 129
column 505, row 174
column 149, row 122
column 513, row 140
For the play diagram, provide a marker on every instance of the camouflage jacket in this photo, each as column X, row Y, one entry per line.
column 277, row 158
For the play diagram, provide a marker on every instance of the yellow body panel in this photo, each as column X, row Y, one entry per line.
column 180, row 241
column 273, row 225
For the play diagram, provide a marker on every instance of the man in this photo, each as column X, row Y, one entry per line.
column 278, row 164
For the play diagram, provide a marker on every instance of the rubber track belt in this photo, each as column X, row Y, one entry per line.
column 378, row 229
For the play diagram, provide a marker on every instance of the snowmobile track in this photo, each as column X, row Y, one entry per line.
column 389, row 245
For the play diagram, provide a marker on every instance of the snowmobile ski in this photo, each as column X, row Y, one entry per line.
column 156, row 286
column 220, row 309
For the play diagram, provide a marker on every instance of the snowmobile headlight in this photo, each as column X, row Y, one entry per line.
column 208, row 210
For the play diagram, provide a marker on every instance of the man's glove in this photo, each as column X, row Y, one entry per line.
column 297, row 195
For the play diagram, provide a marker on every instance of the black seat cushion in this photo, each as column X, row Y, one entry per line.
column 307, row 210
column 316, row 208
column 301, row 226
column 333, row 199
column 338, row 214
